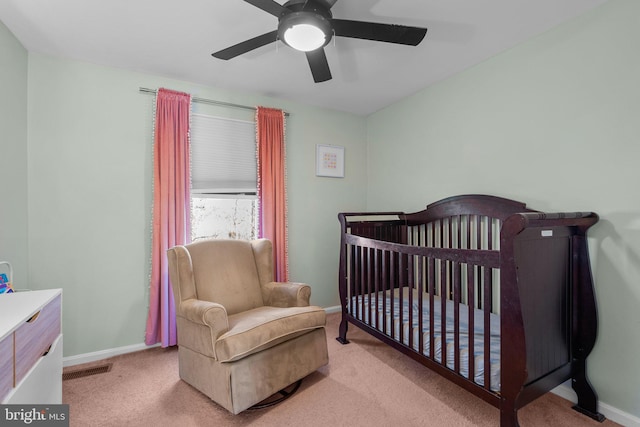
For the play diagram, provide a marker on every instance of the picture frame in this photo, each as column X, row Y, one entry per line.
column 329, row 161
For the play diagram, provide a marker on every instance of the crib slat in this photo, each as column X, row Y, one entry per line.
column 376, row 287
column 385, row 288
column 369, row 264
column 362, row 290
column 489, row 233
column 352, row 279
column 471, row 314
column 410, row 288
column 443, row 312
column 456, row 316
column 420, row 306
column 399, row 286
column 432, row 242
column 479, row 292
column 431, row 284
column 487, row 327
column 392, row 287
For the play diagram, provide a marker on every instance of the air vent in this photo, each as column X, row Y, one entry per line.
column 79, row 373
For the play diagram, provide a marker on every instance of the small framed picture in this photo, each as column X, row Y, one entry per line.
column 330, row 161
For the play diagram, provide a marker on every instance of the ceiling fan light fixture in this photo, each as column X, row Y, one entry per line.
column 305, row 37
column 305, row 31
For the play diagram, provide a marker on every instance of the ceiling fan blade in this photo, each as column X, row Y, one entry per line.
column 319, row 65
column 247, row 45
column 389, row 33
column 269, row 6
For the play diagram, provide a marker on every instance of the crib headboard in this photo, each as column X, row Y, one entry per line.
column 451, row 218
column 472, row 204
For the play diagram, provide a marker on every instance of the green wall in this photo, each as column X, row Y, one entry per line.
column 554, row 122
column 13, row 155
column 90, row 148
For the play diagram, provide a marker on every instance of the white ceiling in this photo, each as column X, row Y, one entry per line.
column 175, row 38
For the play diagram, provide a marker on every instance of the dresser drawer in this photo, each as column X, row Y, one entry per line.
column 6, row 366
column 43, row 385
column 35, row 337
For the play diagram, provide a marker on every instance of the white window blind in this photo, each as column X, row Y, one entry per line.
column 223, row 155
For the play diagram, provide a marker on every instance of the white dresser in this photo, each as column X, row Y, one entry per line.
column 31, row 347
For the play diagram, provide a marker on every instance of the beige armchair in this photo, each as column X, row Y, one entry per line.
column 241, row 336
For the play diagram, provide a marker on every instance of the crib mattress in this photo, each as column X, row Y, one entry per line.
column 384, row 311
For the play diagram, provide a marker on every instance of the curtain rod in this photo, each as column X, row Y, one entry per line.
column 209, row 101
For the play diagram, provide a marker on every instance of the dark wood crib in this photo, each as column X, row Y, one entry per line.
column 496, row 297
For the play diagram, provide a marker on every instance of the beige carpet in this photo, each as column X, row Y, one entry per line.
column 365, row 384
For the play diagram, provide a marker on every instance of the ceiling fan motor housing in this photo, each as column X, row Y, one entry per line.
column 306, row 12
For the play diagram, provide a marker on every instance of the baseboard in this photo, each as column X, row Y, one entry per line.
column 103, row 354
column 334, row 309
column 614, row 414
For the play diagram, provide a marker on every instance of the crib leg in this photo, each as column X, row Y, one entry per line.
column 508, row 415
column 342, row 331
column 587, row 397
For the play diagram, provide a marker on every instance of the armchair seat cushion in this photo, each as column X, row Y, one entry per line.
column 265, row 327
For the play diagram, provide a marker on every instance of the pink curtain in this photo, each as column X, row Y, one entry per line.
column 272, row 196
column 171, row 208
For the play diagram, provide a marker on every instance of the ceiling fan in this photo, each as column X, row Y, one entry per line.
column 308, row 26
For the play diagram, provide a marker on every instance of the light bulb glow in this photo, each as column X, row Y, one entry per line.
column 304, row 37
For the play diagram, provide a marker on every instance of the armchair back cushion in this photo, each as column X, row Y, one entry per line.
column 227, row 274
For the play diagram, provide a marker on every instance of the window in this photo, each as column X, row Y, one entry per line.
column 223, row 178
column 216, row 217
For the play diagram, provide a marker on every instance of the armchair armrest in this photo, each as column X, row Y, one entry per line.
column 286, row 294
column 205, row 313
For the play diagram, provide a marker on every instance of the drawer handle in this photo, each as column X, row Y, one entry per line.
column 47, row 351
column 34, row 317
